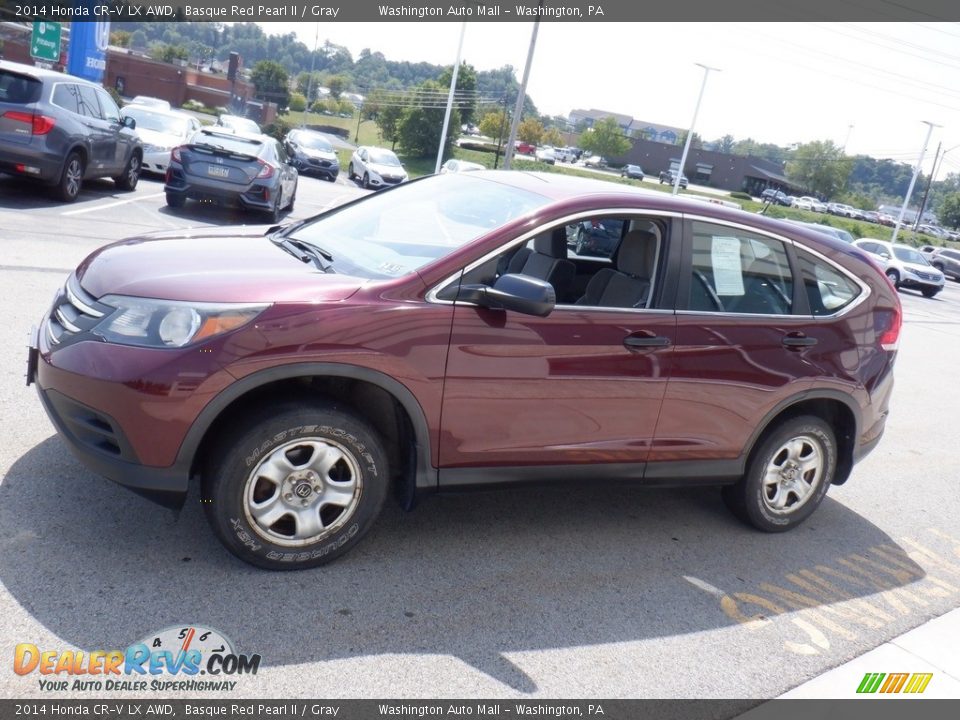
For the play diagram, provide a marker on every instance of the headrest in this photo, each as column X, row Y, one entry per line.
column 637, row 252
column 553, row 244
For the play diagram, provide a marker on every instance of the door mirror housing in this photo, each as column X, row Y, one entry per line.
column 520, row 293
column 130, row 123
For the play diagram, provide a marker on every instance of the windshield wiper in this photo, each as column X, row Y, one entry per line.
column 305, row 252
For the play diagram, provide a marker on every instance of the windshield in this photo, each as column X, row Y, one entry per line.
column 157, row 122
column 383, row 157
column 909, row 255
column 315, row 142
column 396, row 232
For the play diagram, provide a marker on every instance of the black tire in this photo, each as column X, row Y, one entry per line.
column 71, row 178
column 128, row 179
column 232, row 485
column 750, row 498
column 175, row 200
column 350, row 174
column 366, row 181
column 894, row 277
column 273, row 214
column 930, row 292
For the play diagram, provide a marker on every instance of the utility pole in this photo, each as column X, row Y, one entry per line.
column 453, row 87
column 503, row 120
column 926, row 190
column 313, row 60
column 913, row 180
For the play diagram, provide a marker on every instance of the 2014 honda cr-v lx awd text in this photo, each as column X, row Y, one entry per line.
column 442, row 334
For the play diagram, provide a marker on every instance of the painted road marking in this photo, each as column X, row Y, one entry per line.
column 81, row 211
column 868, row 589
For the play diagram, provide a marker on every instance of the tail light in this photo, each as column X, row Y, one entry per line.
column 266, row 170
column 175, row 154
column 890, row 336
column 39, row 124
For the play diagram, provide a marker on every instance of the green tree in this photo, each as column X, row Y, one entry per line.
column 120, row 38
column 307, row 84
column 530, row 131
column 948, row 212
column 605, row 138
column 336, row 84
column 270, row 79
column 695, row 144
column 388, row 120
column 820, row 167
column 421, row 125
column 298, row 102
column 138, row 40
column 168, row 53
column 466, row 92
column 495, row 125
column 552, row 137
column 725, row 144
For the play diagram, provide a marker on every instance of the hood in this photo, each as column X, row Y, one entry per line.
column 314, row 153
column 381, row 170
column 234, row 264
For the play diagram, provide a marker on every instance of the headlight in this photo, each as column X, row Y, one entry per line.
column 169, row 323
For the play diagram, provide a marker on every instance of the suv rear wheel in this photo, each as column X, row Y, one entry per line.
column 787, row 477
column 295, row 485
column 128, row 179
column 71, row 179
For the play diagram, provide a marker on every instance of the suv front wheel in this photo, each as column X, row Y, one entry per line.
column 787, row 477
column 295, row 486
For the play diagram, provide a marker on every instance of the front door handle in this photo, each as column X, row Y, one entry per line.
column 798, row 340
column 646, row 341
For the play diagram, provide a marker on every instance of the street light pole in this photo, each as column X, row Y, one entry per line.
column 453, row 87
column 847, row 139
column 686, row 145
column 926, row 190
column 913, row 180
column 313, row 60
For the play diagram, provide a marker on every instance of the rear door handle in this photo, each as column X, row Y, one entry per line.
column 798, row 340
column 646, row 341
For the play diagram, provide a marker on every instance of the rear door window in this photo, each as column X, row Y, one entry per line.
column 87, row 102
column 736, row 271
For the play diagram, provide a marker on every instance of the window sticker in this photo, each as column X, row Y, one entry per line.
column 727, row 273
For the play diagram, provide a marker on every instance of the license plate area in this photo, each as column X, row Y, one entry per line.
column 218, row 171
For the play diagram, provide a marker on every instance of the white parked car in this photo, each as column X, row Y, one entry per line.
column 906, row 267
column 239, row 125
column 453, row 165
column 546, row 155
column 150, row 102
column 376, row 167
column 594, row 161
column 160, row 131
column 809, row 203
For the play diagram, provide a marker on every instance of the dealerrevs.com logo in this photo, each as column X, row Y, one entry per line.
column 187, row 658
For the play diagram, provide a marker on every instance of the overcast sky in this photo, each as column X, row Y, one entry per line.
column 780, row 83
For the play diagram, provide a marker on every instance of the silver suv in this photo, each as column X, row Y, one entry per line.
column 906, row 267
column 946, row 260
column 61, row 130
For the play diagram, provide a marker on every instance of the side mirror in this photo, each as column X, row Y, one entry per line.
column 130, row 123
column 520, row 293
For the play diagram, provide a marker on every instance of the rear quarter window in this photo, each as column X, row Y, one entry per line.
column 828, row 290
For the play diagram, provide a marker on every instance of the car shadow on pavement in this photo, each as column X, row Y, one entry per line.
column 218, row 214
column 19, row 194
column 475, row 576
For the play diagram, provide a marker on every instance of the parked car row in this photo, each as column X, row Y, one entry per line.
column 904, row 266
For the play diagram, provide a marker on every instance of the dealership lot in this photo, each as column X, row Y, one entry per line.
column 610, row 592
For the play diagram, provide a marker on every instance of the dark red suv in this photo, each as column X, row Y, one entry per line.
column 442, row 334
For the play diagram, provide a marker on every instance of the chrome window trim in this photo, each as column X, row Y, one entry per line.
column 431, row 296
column 864, row 288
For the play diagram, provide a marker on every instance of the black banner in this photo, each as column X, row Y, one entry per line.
column 474, row 11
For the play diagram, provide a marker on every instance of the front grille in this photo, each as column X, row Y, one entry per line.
column 925, row 275
column 391, row 178
column 74, row 312
column 320, row 163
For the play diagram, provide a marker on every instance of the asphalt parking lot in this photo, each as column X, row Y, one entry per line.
column 595, row 593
